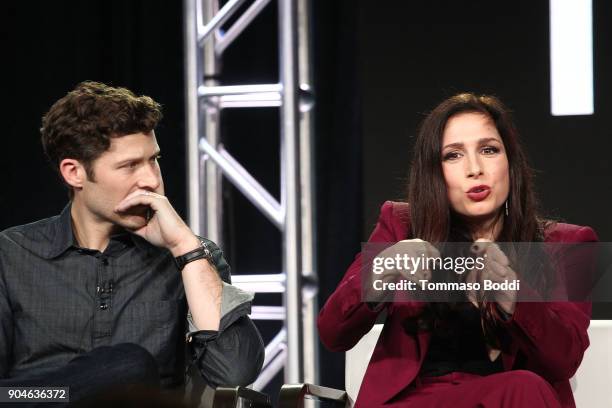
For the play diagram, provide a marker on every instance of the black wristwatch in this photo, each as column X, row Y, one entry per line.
column 199, row 253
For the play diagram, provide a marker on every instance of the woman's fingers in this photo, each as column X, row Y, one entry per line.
column 495, row 253
column 413, row 253
column 491, row 251
column 496, row 271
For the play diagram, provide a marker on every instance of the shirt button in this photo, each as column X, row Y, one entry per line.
column 103, row 306
column 104, row 261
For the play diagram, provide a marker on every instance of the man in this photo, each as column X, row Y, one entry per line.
column 104, row 293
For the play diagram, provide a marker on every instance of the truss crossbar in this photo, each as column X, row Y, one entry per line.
column 250, row 187
column 238, row 27
column 221, row 17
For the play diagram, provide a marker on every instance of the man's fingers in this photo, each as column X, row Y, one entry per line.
column 137, row 193
column 134, row 201
column 139, row 197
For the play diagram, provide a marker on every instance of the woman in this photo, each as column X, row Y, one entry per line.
column 469, row 181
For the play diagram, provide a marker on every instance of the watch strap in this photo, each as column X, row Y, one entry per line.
column 202, row 252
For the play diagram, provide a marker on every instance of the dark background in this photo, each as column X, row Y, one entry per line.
column 379, row 67
column 415, row 54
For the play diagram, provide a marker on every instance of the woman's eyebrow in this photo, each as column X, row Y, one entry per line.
column 456, row 144
column 480, row 141
column 488, row 139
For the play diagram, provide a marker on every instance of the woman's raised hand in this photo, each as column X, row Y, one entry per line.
column 403, row 260
column 498, row 270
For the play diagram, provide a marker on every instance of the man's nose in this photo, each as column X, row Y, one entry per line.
column 149, row 178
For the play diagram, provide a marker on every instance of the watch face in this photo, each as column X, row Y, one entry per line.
column 205, row 246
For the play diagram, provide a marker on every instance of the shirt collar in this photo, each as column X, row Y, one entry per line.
column 62, row 233
column 63, row 237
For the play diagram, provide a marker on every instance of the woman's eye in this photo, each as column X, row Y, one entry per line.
column 451, row 156
column 490, row 150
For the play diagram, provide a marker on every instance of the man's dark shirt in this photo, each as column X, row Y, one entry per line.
column 58, row 300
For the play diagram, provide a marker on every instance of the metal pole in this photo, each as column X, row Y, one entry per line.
column 192, row 115
column 211, row 175
column 307, row 193
column 290, row 188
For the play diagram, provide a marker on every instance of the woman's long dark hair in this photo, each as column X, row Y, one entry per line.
column 431, row 216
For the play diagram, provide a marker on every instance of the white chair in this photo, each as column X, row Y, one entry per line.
column 357, row 360
column 592, row 384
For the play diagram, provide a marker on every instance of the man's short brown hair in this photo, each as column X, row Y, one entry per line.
column 80, row 125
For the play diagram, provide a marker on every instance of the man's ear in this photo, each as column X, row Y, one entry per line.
column 73, row 172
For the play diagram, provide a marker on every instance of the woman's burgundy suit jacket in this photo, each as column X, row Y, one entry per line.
column 547, row 338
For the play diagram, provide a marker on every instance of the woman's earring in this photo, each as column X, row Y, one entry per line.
column 506, row 208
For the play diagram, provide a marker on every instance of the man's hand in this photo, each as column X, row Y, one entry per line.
column 203, row 286
column 497, row 269
column 165, row 227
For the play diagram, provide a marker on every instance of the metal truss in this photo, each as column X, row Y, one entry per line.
column 294, row 348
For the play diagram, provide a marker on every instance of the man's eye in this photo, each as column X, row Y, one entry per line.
column 131, row 165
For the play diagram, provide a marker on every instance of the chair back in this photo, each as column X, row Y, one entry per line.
column 592, row 383
column 357, row 360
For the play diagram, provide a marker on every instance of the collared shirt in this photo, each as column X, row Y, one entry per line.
column 58, row 300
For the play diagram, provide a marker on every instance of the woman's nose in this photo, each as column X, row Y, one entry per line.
column 474, row 167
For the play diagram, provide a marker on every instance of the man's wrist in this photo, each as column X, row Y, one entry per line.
column 202, row 251
column 190, row 243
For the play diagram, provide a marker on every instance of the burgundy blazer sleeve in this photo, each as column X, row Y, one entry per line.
column 345, row 318
column 552, row 336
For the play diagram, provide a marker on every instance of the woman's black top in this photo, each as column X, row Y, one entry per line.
column 457, row 344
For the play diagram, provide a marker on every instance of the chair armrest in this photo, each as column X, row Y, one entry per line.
column 292, row 395
column 228, row 397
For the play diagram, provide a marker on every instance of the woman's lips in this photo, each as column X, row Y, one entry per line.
column 478, row 194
